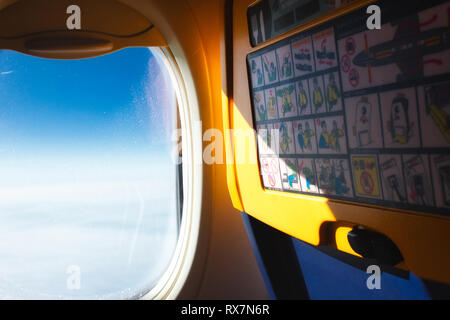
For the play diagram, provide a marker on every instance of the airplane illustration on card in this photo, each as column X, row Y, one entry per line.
column 408, row 49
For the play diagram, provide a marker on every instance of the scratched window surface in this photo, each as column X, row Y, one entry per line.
column 87, row 181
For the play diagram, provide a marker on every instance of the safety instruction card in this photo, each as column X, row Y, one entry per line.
column 349, row 113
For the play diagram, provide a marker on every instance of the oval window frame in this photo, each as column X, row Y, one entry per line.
column 174, row 278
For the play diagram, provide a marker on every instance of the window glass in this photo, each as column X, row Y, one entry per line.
column 88, row 207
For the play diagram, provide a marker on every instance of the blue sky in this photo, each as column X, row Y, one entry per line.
column 86, row 175
column 93, row 105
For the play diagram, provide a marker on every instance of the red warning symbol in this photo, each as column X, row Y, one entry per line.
column 345, row 63
column 272, row 170
column 350, row 45
column 265, row 165
column 353, row 77
column 272, row 180
column 274, row 166
column 367, row 182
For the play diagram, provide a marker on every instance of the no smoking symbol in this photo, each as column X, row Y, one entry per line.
column 273, row 172
column 350, row 46
column 353, row 77
column 345, row 63
column 366, row 182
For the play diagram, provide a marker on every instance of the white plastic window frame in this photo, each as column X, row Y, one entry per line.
column 173, row 279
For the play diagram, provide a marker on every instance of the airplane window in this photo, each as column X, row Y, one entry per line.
column 88, row 203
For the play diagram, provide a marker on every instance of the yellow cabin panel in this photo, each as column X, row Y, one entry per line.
column 365, row 192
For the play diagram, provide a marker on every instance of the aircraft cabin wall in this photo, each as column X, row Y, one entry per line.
column 346, row 151
column 314, row 137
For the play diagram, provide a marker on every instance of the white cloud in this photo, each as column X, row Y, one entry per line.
column 6, row 72
column 102, row 192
